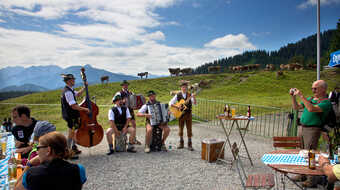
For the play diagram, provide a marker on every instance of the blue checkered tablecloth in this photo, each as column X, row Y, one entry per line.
column 4, row 165
column 287, row 159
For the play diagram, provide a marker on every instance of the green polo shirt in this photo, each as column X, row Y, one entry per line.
column 315, row 118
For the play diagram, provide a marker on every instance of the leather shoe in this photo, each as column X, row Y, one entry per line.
column 76, row 150
column 110, row 152
column 309, row 184
column 181, row 145
column 299, row 178
column 131, row 150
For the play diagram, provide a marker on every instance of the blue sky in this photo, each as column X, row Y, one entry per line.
column 134, row 36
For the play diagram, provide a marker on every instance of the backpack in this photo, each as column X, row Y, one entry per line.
column 330, row 119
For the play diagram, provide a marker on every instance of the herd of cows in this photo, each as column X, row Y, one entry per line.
column 237, row 68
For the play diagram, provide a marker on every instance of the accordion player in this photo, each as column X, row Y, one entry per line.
column 135, row 101
column 159, row 112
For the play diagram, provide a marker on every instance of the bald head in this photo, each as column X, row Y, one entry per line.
column 321, row 88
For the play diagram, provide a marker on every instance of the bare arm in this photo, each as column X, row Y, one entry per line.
column 310, row 107
column 114, row 127
column 327, row 168
column 77, row 107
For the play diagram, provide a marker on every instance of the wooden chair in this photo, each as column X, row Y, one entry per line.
column 287, row 142
column 252, row 181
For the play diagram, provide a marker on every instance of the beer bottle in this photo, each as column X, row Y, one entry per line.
column 311, row 159
column 12, row 167
column 248, row 112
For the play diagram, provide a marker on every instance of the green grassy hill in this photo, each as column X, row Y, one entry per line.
column 258, row 87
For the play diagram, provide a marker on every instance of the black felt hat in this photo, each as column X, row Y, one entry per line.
column 124, row 82
column 67, row 77
column 151, row 92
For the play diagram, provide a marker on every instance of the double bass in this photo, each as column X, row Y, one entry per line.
column 90, row 133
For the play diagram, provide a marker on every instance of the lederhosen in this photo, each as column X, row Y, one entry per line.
column 70, row 115
column 186, row 116
column 120, row 118
column 124, row 95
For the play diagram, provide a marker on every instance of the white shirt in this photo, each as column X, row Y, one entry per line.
column 111, row 115
column 69, row 96
column 143, row 109
column 174, row 99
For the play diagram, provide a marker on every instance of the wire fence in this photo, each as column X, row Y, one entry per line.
column 269, row 121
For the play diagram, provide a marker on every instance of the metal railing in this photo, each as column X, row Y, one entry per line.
column 269, row 121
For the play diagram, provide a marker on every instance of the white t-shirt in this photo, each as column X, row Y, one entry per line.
column 174, row 99
column 69, row 96
column 111, row 115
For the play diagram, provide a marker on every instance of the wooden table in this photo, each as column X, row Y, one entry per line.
column 294, row 169
column 239, row 129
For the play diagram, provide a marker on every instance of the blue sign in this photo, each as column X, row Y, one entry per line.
column 335, row 59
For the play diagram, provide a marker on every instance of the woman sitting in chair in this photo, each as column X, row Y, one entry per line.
column 54, row 172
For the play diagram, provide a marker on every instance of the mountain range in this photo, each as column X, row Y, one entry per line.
column 41, row 78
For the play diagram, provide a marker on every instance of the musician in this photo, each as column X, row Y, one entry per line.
column 70, row 110
column 119, row 117
column 186, row 116
column 125, row 93
column 143, row 112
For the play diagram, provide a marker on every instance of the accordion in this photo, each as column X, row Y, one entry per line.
column 159, row 112
column 135, row 101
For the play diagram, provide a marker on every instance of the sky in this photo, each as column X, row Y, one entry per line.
column 132, row 36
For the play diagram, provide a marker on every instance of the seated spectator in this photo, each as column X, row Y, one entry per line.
column 54, row 173
column 332, row 172
column 40, row 130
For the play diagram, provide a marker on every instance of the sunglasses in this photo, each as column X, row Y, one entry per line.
column 314, row 88
column 41, row 146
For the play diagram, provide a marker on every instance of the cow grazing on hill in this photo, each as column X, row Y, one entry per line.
column 311, row 66
column 279, row 73
column 291, row 66
column 270, row 67
column 186, row 71
column 104, row 78
column 214, row 69
column 174, row 71
column 143, row 74
column 204, row 83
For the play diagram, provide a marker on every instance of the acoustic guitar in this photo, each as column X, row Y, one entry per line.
column 182, row 104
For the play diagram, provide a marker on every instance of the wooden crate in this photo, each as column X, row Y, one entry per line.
column 211, row 149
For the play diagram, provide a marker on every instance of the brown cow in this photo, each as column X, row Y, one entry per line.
column 143, row 74
column 214, row 69
column 279, row 73
column 186, row 71
column 174, row 71
column 270, row 67
column 104, row 78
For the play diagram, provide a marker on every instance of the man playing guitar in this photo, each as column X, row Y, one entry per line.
column 186, row 116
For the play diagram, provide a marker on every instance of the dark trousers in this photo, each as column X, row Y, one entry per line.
column 187, row 120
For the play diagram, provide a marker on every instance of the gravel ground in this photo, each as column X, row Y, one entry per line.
column 176, row 169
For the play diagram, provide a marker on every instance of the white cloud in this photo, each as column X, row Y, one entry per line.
column 230, row 41
column 3, row 21
column 26, row 48
column 116, row 37
column 309, row 3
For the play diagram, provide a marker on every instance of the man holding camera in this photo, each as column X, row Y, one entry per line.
column 315, row 110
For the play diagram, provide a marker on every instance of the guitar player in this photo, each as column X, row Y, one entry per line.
column 186, row 116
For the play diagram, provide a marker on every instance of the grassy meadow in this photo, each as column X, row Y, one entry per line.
column 257, row 88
